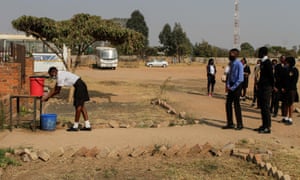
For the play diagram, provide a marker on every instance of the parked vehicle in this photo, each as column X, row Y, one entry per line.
column 107, row 57
column 157, row 63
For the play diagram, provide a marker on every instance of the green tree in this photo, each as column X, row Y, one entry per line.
column 78, row 33
column 175, row 42
column 137, row 23
column 247, row 50
column 165, row 38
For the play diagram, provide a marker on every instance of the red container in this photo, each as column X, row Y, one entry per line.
column 36, row 86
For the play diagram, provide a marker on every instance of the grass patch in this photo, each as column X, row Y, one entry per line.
column 4, row 160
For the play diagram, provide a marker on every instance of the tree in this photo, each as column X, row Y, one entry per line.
column 78, row 33
column 137, row 23
column 165, row 38
column 247, row 50
column 175, row 42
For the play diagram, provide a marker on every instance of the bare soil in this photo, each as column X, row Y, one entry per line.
column 124, row 96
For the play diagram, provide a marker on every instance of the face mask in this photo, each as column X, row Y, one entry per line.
column 231, row 58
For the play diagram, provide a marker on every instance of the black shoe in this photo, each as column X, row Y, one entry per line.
column 265, row 131
column 72, row 129
column 239, row 128
column 288, row 122
column 228, row 127
column 258, row 129
column 85, row 129
column 284, row 120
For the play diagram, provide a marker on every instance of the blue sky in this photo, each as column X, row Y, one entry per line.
column 274, row 22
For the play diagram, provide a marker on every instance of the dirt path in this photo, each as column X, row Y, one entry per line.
column 209, row 110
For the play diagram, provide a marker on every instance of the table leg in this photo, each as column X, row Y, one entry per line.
column 34, row 113
column 10, row 113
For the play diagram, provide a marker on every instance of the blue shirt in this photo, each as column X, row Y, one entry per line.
column 235, row 75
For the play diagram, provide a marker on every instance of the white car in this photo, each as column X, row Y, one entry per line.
column 157, row 63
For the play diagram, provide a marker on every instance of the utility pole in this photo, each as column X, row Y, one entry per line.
column 236, row 35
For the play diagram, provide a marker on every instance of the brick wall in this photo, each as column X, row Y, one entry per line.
column 11, row 84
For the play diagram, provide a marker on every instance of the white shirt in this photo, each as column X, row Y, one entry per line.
column 264, row 58
column 212, row 69
column 65, row 78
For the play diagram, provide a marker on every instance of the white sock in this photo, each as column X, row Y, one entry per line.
column 87, row 124
column 75, row 125
column 286, row 118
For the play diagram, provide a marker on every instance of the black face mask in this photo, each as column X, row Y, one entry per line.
column 231, row 58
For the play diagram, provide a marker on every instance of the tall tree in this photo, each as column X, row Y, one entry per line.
column 137, row 23
column 175, row 41
column 165, row 38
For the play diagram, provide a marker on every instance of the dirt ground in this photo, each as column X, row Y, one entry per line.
column 124, row 95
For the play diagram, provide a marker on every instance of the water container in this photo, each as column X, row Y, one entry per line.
column 48, row 122
column 36, row 86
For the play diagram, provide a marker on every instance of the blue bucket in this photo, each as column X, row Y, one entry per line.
column 48, row 122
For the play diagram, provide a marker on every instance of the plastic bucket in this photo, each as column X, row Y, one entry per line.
column 36, row 86
column 48, row 122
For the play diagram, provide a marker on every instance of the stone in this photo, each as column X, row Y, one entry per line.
column 123, row 125
column 92, row 152
column 268, row 166
column 228, row 147
column 195, row 149
column 113, row 154
column 241, row 150
column 139, row 151
column 215, row 152
column 286, row 177
column 69, row 152
column 25, row 158
column 250, row 157
column 272, row 171
column 182, row 115
column 172, row 151
column 262, row 165
column 33, row 156
column 278, row 175
column 183, row 151
column 206, row 148
column 125, row 152
column 257, row 158
column 43, row 155
column 60, row 152
column 81, row 152
column 113, row 124
column 155, row 125
column 103, row 153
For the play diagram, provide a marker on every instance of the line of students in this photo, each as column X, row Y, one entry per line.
column 273, row 83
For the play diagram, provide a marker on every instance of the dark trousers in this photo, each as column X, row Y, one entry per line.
column 233, row 97
column 211, row 80
column 264, row 95
column 275, row 102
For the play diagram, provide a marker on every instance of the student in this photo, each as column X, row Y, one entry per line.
column 211, row 76
column 265, row 87
column 65, row 78
column 234, row 81
column 245, row 83
column 255, row 86
column 289, row 89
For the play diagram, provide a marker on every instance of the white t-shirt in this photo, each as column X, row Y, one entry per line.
column 65, row 78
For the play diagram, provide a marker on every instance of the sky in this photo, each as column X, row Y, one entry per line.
column 262, row 22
